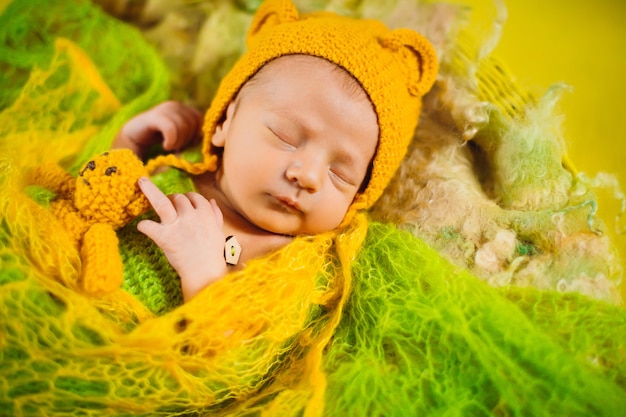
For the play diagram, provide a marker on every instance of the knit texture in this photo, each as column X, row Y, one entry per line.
column 103, row 198
column 395, row 68
column 365, row 321
column 486, row 180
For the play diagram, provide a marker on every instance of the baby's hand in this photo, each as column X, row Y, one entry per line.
column 190, row 234
column 175, row 125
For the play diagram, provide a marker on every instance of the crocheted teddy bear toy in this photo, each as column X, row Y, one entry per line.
column 101, row 199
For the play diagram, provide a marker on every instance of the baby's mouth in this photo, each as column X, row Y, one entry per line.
column 288, row 204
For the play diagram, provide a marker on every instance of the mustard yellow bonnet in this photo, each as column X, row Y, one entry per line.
column 394, row 67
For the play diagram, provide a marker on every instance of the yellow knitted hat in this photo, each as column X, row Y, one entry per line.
column 395, row 68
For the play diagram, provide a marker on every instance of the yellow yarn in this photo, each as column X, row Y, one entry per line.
column 417, row 336
column 395, row 68
column 283, row 309
column 224, row 341
column 91, row 207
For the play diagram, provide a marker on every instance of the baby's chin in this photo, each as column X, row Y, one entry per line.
column 283, row 229
column 288, row 223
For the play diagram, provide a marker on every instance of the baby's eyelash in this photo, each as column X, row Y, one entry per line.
column 341, row 177
column 282, row 138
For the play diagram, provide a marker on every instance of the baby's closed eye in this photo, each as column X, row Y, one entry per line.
column 284, row 139
column 343, row 176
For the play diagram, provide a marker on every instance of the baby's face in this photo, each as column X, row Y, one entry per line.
column 298, row 141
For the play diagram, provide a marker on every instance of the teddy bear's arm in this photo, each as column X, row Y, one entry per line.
column 53, row 178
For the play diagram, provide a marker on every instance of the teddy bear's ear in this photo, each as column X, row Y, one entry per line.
column 270, row 14
column 417, row 58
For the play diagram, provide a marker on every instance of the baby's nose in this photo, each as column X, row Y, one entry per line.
column 307, row 173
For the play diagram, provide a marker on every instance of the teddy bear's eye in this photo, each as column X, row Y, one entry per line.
column 90, row 165
column 110, row 170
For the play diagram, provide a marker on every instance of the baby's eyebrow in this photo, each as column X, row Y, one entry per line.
column 345, row 158
column 292, row 117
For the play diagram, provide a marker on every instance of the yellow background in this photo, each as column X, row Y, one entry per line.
column 581, row 43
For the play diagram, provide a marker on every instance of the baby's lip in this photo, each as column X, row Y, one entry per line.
column 289, row 203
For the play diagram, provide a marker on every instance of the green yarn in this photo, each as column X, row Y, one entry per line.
column 421, row 337
column 119, row 51
column 147, row 273
column 418, row 335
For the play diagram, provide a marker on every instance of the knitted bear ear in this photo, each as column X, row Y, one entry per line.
column 418, row 58
column 272, row 13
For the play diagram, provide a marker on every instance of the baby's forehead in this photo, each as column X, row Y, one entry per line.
column 272, row 71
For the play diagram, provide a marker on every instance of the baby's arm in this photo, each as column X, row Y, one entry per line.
column 190, row 234
column 175, row 125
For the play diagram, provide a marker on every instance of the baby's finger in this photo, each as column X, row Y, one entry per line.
column 122, row 141
column 149, row 228
column 218, row 213
column 188, row 128
column 159, row 201
column 194, row 119
column 170, row 129
column 197, row 200
column 181, row 203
